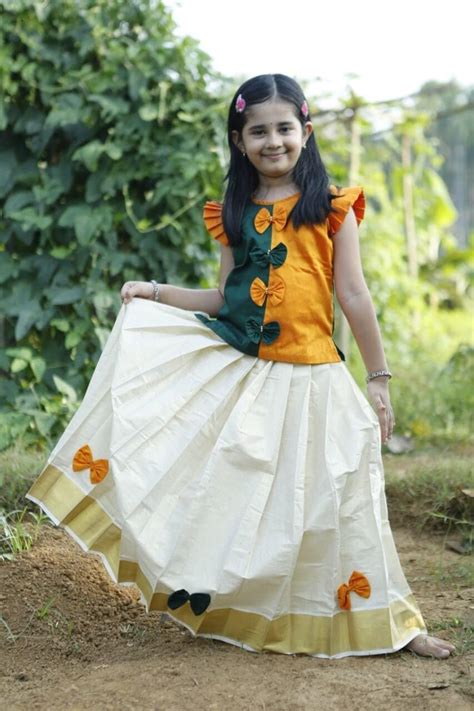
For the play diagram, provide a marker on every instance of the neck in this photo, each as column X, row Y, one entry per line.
column 275, row 188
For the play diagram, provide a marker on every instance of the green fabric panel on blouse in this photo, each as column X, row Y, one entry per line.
column 230, row 322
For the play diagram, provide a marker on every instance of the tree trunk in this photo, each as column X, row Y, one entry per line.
column 354, row 172
column 410, row 229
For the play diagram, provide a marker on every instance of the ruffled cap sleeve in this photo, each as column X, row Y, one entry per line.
column 212, row 214
column 346, row 198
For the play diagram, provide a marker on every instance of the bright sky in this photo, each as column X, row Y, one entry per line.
column 393, row 47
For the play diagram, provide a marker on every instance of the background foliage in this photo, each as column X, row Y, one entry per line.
column 108, row 149
column 112, row 137
column 426, row 314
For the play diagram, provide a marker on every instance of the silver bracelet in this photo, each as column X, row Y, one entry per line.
column 376, row 373
column 156, row 290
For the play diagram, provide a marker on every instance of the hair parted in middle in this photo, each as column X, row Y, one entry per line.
column 309, row 173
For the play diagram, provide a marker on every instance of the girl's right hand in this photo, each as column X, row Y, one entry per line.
column 379, row 398
column 142, row 289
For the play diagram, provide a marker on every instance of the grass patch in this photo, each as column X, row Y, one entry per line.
column 20, row 521
column 461, row 633
column 49, row 616
column 429, row 490
column 19, row 467
column 455, row 575
column 17, row 535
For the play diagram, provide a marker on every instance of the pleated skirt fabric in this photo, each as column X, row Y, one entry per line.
column 244, row 497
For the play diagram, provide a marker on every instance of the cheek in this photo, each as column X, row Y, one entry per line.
column 294, row 140
column 296, row 146
column 249, row 140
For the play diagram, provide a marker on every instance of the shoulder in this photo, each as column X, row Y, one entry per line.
column 212, row 215
column 344, row 199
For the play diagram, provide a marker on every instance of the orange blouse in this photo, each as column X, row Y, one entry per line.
column 278, row 298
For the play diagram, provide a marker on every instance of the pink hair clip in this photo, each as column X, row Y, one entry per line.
column 240, row 104
column 304, row 109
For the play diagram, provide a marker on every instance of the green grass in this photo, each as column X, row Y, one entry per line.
column 18, row 535
column 52, row 618
column 461, row 633
column 20, row 519
column 456, row 575
column 19, row 467
column 426, row 489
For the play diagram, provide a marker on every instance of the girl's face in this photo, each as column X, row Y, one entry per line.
column 273, row 139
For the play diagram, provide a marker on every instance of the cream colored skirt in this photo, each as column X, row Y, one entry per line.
column 244, row 497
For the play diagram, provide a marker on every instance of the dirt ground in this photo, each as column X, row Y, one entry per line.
column 72, row 639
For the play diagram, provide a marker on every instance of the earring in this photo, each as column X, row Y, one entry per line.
column 304, row 146
column 243, row 154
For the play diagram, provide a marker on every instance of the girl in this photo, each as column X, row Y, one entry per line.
column 223, row 458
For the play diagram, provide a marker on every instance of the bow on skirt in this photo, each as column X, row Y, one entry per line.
column 199, row 601
column 83, row 459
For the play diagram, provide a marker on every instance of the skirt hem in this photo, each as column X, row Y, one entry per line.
column 147, row 599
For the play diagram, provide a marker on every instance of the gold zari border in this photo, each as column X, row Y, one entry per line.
column 344, row 633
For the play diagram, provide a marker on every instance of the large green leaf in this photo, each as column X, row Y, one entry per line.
column 87, row 221
column 9, row 267
column 9, row 163
column 66, row 110
column 29, row 218
column 90, row 154
column 65, row 389
column 60, row 295
column 17, row 200
column 29, row 314
column 112, row 106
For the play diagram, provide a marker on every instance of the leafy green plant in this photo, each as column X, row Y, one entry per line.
column 107, row 147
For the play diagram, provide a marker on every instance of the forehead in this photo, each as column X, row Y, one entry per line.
column 271, row 111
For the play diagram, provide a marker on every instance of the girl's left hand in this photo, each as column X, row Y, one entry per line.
column 379, row 397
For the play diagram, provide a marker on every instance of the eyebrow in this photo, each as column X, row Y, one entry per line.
column 263, row 125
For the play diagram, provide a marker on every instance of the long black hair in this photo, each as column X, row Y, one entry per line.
column 309, row 173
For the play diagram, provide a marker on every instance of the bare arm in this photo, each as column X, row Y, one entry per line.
column 357, row 305
column 353, row 294
column 207, row 300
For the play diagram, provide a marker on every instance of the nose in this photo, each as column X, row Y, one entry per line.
column 273, row 139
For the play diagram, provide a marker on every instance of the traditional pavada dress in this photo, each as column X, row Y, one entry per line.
column 231, row 467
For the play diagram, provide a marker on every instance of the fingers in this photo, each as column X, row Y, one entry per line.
column 386, row 418
column 128, row 291
column 382, row 415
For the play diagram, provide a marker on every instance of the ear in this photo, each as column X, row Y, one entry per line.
column 307, row 130
column 237, row 140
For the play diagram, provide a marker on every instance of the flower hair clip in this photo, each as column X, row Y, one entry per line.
column 304, row 109
column 240, row 104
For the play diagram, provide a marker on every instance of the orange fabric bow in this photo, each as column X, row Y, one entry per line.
column 264, row 219
column 357, row 583
column 259, row 291
column 99, row 468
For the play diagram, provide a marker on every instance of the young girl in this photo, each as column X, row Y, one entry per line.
column 223, row 458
